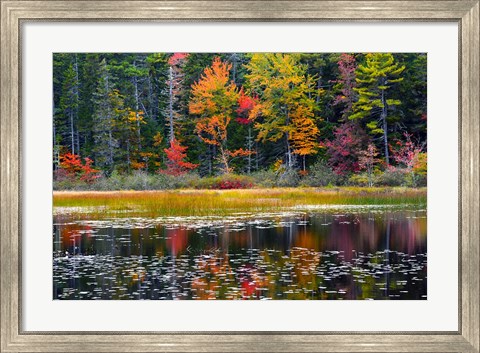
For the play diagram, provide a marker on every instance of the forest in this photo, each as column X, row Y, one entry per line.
column 141, row 121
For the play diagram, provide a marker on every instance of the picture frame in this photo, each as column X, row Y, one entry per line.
column 14, row 13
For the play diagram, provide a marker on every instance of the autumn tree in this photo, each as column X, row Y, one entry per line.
column 286, row 110
column 176, row 160
column 73, row 167
column 344, row 149
column 374, row 79
column 346, row 84
column 367, row 160
column 410, row 155
column 214, row 98
column 303, row 134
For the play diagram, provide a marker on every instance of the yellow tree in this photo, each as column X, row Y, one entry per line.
column 303, row 133
column 286, row 109
column 127, row 126
column 214, row 98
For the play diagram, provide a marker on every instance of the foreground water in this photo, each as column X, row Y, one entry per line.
column 316, row 254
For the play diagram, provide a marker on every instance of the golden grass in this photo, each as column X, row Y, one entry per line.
column 224, row 202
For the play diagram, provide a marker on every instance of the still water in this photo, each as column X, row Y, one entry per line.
column 335, row 254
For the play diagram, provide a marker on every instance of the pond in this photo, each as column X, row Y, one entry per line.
column 364, row 253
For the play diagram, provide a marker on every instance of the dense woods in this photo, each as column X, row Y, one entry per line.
column 233, row 120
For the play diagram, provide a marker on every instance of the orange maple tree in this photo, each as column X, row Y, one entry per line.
column 214, row 98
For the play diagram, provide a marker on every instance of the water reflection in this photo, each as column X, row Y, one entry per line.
column 362, row 255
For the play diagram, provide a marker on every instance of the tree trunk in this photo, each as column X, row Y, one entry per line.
column 289, row 152
column 370, row 181
column 150, row 99
column 78, row 142
column 170, row 103
column 77, row 99
column 137, row 107
column 383, row 118
column 128, row 156
column 110, row 147
column 56, row 157
column 256, row 155
column 249, row 147
column 109, row 120
column 72, row 131
column 234, row 67
column 224, row 157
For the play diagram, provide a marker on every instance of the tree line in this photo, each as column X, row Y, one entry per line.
column 223, row 113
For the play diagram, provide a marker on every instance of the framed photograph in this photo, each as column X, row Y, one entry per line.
column 240, row 176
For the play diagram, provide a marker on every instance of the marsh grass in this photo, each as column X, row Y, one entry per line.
column 227, row 202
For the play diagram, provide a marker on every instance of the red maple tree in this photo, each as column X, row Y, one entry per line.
column 72, row 165
column 344, row 149
column 245, row 106
column 411, row 155
column 176, row 164
column 177, row 58
column 346, row 83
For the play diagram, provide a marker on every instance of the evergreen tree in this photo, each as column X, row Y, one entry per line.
column 374, row 81
column 413, row 92
column 68, row 106
column 107, row 105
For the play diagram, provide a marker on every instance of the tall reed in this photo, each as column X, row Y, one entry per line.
column 225, row 202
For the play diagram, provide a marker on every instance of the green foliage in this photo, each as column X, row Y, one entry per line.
column 287, row 178
column 359, row 180
column 138, row 180
column 392, row 177
column 374, row 79
column 265, row 178
column 320, row 174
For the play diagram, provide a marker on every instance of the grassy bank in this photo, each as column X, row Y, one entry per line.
column 225, row 202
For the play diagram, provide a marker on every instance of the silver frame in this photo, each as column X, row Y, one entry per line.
column 14, row 13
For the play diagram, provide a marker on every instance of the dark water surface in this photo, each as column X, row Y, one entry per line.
column 366, row 254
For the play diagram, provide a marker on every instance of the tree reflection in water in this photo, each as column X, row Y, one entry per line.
column 365, row 255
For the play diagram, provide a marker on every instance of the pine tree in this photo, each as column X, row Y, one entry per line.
column 69, row 103
column 107, row 106
column 374, row 80
column 413, row 92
